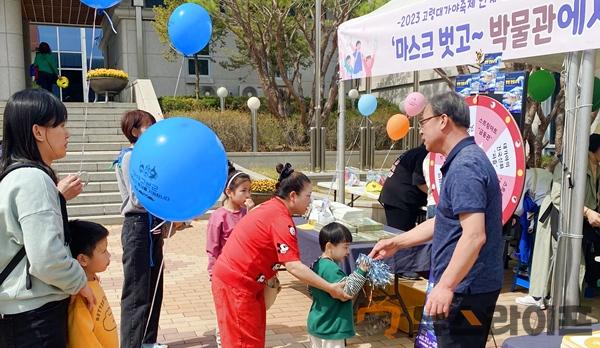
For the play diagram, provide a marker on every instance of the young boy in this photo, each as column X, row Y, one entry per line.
column 96, row 328
column 331, row 321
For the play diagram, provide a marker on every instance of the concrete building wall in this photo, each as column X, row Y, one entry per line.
column 12, row 58
column 121, row 52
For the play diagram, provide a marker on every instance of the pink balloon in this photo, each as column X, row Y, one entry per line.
column 414, row 104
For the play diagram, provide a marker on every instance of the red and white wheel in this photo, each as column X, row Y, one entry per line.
column 497, row 133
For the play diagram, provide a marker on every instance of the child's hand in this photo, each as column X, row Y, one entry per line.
column 249, row 203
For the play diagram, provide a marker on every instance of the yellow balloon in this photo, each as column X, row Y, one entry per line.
column 62, row 82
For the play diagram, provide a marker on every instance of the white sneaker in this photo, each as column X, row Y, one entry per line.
column 530, row 301
column 154, row 345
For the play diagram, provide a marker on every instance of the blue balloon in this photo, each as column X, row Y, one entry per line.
column 367, row 104
column 190, row 28
column 100, row 4
column 178, row 169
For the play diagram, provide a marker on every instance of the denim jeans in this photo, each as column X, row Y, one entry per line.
column 142, row 256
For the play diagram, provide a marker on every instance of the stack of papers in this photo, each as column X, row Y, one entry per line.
column 365, row 224
column 344, row 212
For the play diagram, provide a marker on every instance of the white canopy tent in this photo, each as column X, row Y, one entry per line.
column 412, row 35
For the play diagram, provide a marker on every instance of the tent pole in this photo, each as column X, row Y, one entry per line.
column 341, row 146
column 567, row 163
column 566, row 286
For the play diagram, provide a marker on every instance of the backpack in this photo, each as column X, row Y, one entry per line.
column 21, row 253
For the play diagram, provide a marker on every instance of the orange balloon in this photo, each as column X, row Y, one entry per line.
column 397, row 127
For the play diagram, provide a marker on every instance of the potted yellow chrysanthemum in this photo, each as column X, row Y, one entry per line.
column 108, row 81
column 262, row 190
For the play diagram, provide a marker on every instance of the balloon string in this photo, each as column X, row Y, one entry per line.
column 386, row 156
column 85, row 109
column 160, row 271
column 178, row 77
column 112, row 26
column 349, row 156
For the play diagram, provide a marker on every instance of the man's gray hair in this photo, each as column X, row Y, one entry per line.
column 453, row 105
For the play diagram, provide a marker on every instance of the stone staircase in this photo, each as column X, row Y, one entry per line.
column 100, row 200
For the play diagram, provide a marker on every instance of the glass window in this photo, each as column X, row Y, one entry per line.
column 48, row 34
column 202, row 67
column 88, row 42
column 70, row 39
column 70, row 60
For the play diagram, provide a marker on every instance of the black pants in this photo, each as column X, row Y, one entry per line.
column 402, row 218
column 46, row 81
column 142, row 256
column 591, row 249
column 457, row 330
column 44, row 327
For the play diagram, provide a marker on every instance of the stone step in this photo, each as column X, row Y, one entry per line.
column 97, row 176
column 90, row 156
column 97, row 198
column 106, row 220
column 96, row 131
column 116, row 146
column 73, row 167
column 104, row 187
column 96, row 106
column 97, row 138
column 80, row 117
column 82, row 210
column 93, row 124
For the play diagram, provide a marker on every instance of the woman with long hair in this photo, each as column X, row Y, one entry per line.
column 39, row 274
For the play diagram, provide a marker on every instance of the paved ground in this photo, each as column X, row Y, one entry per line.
column 188, row 316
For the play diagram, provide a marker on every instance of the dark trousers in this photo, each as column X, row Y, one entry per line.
column 591, row 249
column 46, row 81
column 402, row 218
column 463, row 328
column 44, row 327
column 142, row 256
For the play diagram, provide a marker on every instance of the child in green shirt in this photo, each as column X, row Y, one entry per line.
column 331, row 321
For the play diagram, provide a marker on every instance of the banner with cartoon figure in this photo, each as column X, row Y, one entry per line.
column 412, row 35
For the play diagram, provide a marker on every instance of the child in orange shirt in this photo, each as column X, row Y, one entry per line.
column 95, row 329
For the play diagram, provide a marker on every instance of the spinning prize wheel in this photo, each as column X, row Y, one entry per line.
column 497, row 133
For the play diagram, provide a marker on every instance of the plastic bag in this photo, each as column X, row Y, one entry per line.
column 351, row 176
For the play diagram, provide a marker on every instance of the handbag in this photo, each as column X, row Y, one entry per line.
column 272, row 288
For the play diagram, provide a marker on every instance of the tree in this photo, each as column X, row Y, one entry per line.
column 277, row 38
column 160, row 24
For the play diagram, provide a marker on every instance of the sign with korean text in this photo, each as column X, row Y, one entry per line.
column 497, row 133
column 443, row 33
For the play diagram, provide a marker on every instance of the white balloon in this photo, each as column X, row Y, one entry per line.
column 353, row 93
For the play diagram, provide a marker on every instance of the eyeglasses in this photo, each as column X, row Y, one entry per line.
column 423, row 121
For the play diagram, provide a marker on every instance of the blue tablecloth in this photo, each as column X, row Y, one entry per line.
column 414, row 259
column 542, row 340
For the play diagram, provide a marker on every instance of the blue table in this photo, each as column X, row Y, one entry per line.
column 415, row 259
column 543, row 339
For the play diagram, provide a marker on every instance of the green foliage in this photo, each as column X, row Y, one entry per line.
column 275, row 133
column 367, row 7
column 161, row 20
column 171, row 104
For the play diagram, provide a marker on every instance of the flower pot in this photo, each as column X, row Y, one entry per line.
column 261, row 197
column 107, row 85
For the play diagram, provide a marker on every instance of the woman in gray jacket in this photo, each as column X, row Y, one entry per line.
column 37, row 272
